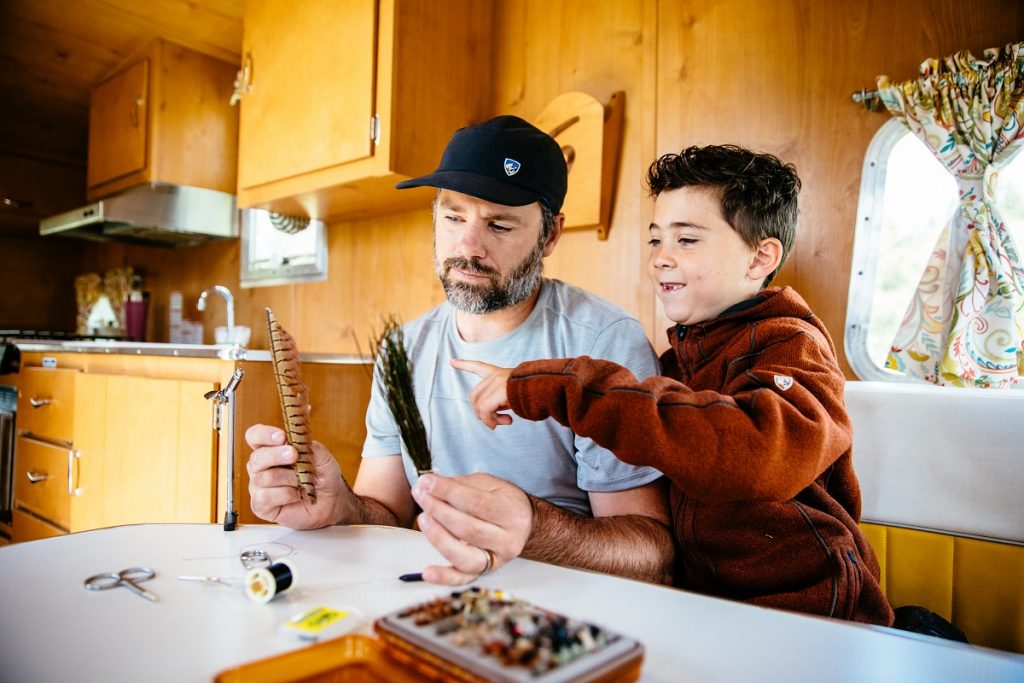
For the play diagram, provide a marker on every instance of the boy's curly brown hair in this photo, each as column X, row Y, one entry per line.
column 758, row 192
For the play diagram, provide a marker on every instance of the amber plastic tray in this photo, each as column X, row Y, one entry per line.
column 348, row 658
column 354, row 658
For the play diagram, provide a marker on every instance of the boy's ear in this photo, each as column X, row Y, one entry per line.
column 766, row 259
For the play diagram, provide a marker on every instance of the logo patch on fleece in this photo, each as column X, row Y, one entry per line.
column 512, row 166
column 783, row 382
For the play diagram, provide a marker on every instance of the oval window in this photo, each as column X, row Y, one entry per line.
column 906, row 198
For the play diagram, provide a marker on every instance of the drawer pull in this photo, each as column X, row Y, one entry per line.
column 40, row 402
column 35, row 478
column 74, row 473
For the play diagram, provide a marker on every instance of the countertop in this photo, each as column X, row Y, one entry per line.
column 230, row 352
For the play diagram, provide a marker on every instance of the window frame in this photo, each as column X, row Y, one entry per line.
column 282, row 274
column 866, row 247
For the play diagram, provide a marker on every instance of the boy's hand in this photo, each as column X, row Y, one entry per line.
column 490, row 395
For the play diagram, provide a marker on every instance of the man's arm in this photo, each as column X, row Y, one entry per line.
column 465, row 517
column 629, row 534
column 382, row 493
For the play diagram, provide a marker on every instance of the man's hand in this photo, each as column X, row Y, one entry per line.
column 466, row 517
column 490, row 395
column 274, row 490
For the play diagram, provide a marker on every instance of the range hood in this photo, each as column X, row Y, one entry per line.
column 151, row 214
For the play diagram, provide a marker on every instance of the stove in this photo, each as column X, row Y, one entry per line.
column 10, row 358
column 11, row 335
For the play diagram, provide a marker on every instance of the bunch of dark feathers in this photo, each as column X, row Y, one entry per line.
column 395, row 372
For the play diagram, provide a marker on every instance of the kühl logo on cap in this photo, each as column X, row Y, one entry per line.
column 511, row 166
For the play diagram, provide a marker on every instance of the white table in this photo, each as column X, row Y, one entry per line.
column 51, row 629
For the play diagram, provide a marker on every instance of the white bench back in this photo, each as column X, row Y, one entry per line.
column 940, row 458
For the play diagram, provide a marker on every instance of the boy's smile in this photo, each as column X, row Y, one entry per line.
column 698, row 264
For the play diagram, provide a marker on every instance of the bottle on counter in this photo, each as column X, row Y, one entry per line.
column 174, row 318
column 135, row 311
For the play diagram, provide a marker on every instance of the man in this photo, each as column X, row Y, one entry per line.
column 534, row 489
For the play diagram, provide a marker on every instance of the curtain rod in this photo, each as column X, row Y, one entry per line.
column 864, row 95
column 869, row 99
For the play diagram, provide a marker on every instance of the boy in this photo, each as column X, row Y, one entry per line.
column 748, row 421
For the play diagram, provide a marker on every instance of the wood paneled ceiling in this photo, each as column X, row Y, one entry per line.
column 53, row 51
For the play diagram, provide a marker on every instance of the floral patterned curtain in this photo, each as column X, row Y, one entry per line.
column 965, row 325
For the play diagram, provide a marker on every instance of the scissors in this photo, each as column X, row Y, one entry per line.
column 129, row 578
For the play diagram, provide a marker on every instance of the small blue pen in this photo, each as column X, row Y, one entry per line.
column 411, row 577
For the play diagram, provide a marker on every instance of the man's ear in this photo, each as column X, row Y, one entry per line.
column 556, row 234
column 766, row 259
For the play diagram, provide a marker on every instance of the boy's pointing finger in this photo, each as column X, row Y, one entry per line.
column 478, row 368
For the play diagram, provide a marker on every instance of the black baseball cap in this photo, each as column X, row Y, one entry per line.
column 504, row 160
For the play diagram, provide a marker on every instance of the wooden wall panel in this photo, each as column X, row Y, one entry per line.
column 544, row 48
column 189, row 270
column 37, row 283
column 380, row 266
column 777, row 77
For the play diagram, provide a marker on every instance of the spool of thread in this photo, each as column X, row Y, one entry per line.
column 262, row 584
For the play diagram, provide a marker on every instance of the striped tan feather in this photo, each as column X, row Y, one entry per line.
column 294, row 402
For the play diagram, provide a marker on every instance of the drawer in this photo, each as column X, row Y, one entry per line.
column 41, row 481
column 46, row 402
column 28, row 527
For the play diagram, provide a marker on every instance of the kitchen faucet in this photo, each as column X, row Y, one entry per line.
column 226, row 293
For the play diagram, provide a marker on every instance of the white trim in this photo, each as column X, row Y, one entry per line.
column 941, row 532
column 866, row 246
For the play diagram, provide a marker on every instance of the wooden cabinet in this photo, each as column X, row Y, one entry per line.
column 163, row 117
column 43, row 482
column 44, row 456
column 30, row 528
column 343, row 98
column 145, row 451
column 103, row 450
column 46, row 404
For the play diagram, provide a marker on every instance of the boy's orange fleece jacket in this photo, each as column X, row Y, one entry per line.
column 749, row 425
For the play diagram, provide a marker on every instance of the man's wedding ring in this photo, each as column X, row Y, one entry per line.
column 488, row 561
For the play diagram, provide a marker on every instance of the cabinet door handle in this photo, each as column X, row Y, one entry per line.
column 133, row 113
column 16, row 203
column 74, row 456
column 35, row 478
column 243, row 80
column 40, row 402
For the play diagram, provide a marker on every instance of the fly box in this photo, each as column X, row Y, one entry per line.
column 479, row 635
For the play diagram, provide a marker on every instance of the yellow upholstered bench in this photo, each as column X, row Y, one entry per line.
column 942, row 481
column 976, row 585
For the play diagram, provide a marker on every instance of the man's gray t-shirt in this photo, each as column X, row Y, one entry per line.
column 544, row 459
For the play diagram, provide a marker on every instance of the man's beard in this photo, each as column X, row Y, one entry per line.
column 496, row 295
